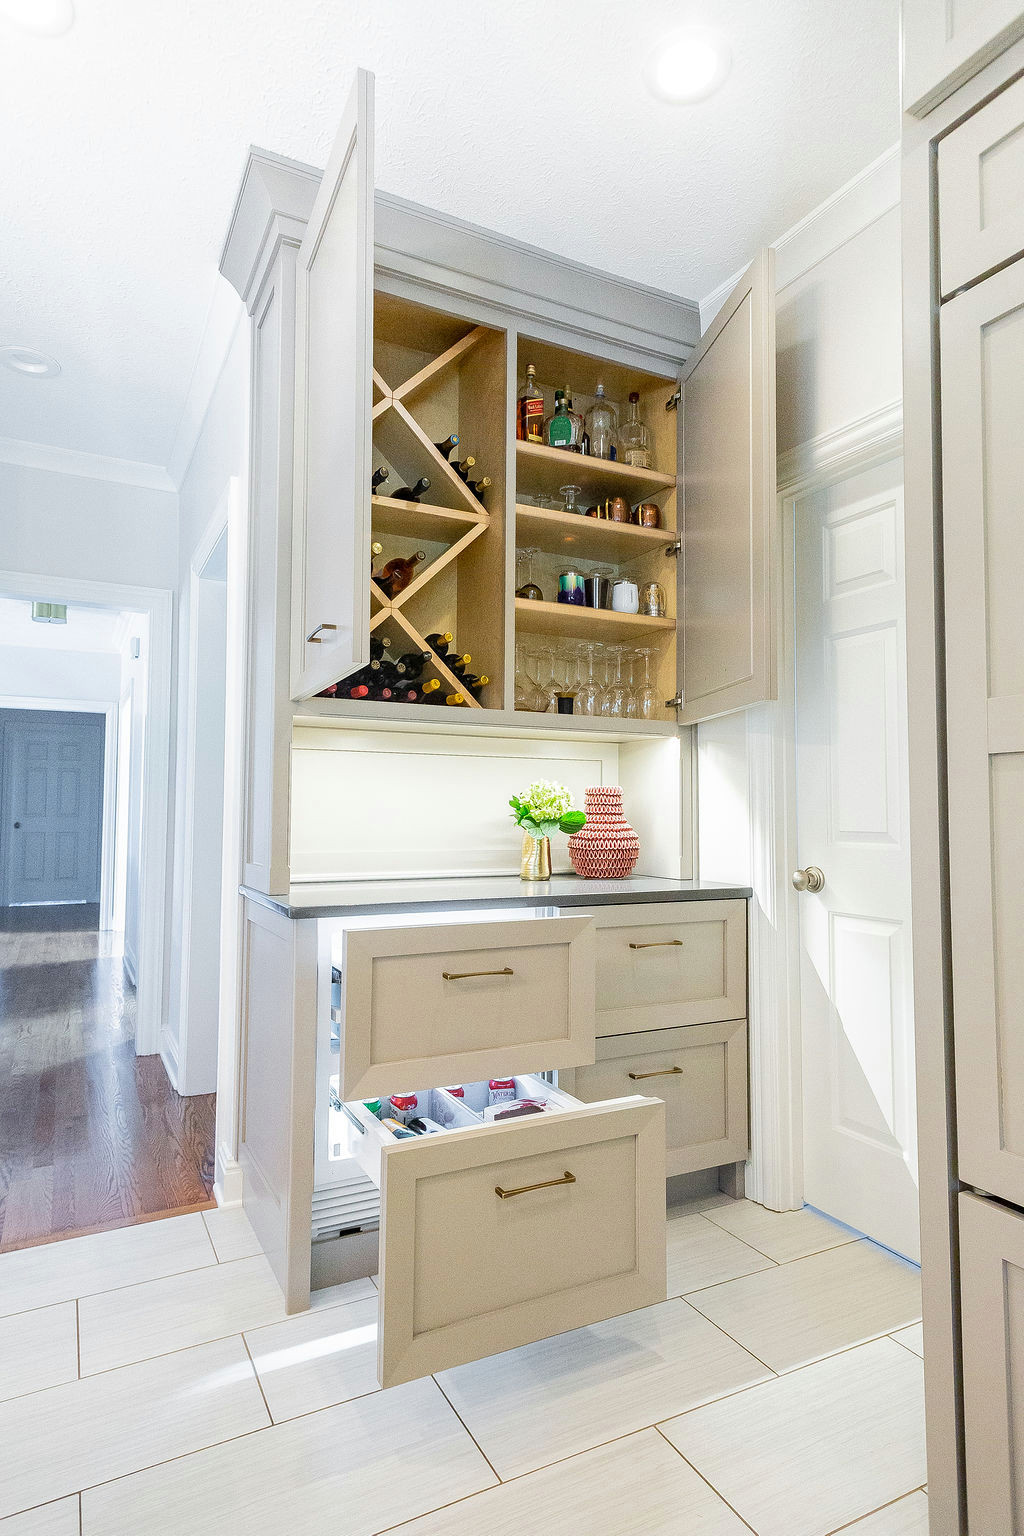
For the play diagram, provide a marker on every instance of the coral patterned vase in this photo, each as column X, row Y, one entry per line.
column 606, row 848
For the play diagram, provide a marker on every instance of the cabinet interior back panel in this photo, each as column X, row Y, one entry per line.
column 439, row 807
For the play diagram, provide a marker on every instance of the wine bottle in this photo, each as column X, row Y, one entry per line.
column 378, row 645
column 377, row 478
column 411, row 664
column 439, row 643
column 397, row 574
column 435, row 696
column 412, row 492
column 445, row 447
column 458, row 664
column 479, row 486
column 455, row 698
column 406, row 695
column 376, row 549
column 359, row 691
column 463, row 468
column 429, row 688
column 473, row 683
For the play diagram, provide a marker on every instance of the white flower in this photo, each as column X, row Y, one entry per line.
column 547, row 801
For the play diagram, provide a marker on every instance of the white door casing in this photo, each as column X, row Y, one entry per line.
column 852, row 823
column 53, row 774
column 333, row 401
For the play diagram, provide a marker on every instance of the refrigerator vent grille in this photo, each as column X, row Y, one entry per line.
column 352, row 1202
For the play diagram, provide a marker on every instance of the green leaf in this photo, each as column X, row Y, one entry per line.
column 572, row 821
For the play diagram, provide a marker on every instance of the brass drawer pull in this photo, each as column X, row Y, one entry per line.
column 506, row 1194
column 506, row 970
column 658, row 944
column 638, row 1077
column 314, row 638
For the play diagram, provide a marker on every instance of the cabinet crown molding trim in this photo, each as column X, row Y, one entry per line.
column 833, row 455
column 274, row 201
column 90, row 466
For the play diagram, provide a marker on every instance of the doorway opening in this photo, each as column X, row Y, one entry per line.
column 95, row 1133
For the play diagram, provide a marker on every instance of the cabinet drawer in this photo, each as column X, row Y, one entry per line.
column 450, row 1003
column 670, row 964
column 700, row 1073
column 981, row 171
column 466, row 1272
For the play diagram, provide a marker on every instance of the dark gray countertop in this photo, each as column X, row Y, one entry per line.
column 350, row 898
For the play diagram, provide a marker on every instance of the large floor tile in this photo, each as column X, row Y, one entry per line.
column 231, row 1233
column 812, row 1451
column 82, row 1266
column 140, row 1321
column 781, row 1235
column 316, row 1359
column 537, row 1404
column 59, row 1519
column 68, row 1437
column 911, row 1338
column 802, row 1311
column 907, row 1517
column 351, row 1470
column 640, row 1485
column 701, row 1254
column 38, row 1349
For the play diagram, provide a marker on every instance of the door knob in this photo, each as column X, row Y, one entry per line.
column 809, row 879
column 17, row 823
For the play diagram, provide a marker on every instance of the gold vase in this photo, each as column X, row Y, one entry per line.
column 536, row 864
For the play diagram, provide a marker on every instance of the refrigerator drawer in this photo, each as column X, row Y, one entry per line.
column 494, row 1235
column 670, row 964
column 453, row 1002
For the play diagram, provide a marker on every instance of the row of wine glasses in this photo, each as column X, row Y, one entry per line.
column 585, row 678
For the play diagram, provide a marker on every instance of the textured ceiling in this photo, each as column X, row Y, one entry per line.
column 126, row 140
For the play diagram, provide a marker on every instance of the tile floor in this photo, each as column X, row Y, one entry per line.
column 151, row 1384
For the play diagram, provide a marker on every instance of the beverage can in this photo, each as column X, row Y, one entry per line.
column 399, row 1131
column 501, row 1089
column 403, row 1107
column 457, row 1092
column 373, row 1105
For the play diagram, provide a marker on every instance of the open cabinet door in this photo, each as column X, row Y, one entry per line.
column 726, row 630
column 333, row 361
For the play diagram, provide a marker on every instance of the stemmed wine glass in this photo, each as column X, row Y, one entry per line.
column 646, row 703
column 588, row 694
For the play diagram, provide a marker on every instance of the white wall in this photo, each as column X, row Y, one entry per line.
column 31, row 673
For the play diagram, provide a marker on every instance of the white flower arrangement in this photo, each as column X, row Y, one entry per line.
column 544, row 808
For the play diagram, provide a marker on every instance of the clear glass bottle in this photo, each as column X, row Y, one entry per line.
column 634, row 438
column 602, row 425
column 580, row 441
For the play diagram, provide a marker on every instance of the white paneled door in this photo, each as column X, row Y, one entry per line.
column 852, row 811
column 53, row 803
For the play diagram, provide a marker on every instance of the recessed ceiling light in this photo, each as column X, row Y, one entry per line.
column 688, row 65
column 25, row 360
column 47, row 18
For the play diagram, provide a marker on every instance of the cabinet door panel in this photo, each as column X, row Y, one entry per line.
column 333, row 359
column 726, row 630
column 982, row 341
column 944, row 44
column 981, row 171
column 992, row 1306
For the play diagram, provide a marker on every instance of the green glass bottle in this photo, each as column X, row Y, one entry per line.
column 558, row 427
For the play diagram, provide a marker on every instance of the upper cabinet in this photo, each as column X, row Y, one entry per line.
column 727, row 629
column 333, row 351
column 944, row 44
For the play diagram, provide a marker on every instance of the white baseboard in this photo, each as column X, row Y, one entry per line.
column 131, row 966
column 227, row 1186
column 169, row 1057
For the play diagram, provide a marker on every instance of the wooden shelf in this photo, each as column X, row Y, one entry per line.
column 420, row 519
column 566, row 619
column 352, row 713
column 539, row 468
column 563, row 533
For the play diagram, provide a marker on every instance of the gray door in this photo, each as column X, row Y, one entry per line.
column 53, row 806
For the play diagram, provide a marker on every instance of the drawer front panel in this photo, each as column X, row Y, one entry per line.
column 700, row 1073
column 981, row 171
column 464, row 1001
column 577, row 1237
column 672, row 964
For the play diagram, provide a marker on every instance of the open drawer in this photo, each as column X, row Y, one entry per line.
column 455, row 1001
column 494, row 1235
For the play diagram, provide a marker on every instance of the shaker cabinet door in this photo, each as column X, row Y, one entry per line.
column 945, row 44
column 333, row 360
column 729, row 554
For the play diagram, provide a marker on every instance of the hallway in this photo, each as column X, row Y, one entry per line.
column 91, row 1135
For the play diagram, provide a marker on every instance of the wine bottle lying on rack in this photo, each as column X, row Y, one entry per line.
column 411, row 665
column 458, row 664
column 445, row 447
column 473, row 683
column 479, row 486
column 377, row 479
column 439, row 643
column 412, row 492
column 394, row 577
column 438, row 696
column 378, row 645
column 462, row 469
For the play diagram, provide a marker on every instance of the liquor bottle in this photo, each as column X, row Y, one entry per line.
column 411, row 664
column 530, row 412
column 463, row 468
column 479, row 486
column 445, row 447
column 439, row 643
column 602, row 424
column 558, row 427
column 580, row 440
column 412, row 492
column 458, row 664
column 634, row 438
column 397, row 574
column 377, row 479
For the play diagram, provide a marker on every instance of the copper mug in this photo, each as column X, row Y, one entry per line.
column 619, row 510
column 648, row 515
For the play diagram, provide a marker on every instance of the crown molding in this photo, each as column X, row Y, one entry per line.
column 88, row 466
column 834, row 455
column 274, row 202
column 852, row 208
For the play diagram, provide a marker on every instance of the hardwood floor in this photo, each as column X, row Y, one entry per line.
column 91, row 1135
